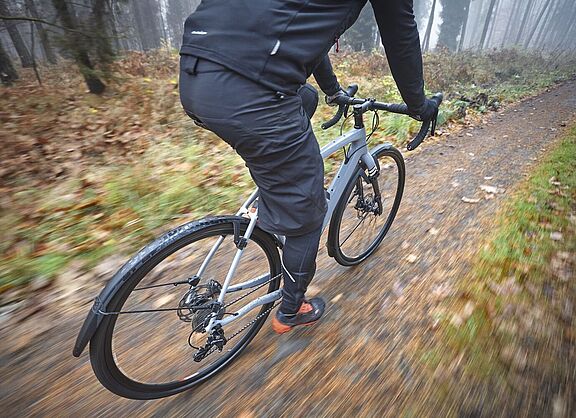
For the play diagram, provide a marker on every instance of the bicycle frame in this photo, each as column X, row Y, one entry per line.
column 356, row 155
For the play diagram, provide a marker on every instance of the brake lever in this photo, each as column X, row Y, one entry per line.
column 434, row 122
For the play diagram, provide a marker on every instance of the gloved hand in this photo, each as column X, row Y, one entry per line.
column 426, row 112
column 333, row 100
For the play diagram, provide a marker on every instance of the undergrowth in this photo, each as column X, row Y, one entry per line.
column 83, row 177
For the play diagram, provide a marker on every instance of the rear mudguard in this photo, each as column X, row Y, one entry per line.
column 331, row 246
column 95, row 316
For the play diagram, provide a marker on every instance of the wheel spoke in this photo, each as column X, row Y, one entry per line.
column 355, row 228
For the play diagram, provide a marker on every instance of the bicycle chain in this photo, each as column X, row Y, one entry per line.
column 249, row 324
column 252, row 291
column 266, row 312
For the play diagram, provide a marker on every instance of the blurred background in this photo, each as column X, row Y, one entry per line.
column 469, row 312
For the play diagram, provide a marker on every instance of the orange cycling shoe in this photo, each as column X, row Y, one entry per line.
column 310, row 311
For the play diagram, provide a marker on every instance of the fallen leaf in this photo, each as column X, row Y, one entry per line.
column 556, row 236
column 469, row 200
column 433, row 231
column 412, row 258
column 554, row 182
column 491, row 189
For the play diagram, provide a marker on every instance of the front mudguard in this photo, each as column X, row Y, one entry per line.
column 331, row 245
column 98, row 310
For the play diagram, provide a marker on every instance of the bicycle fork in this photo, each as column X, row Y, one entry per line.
column 371, row 167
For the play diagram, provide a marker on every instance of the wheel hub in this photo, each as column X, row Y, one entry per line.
column 196, row 305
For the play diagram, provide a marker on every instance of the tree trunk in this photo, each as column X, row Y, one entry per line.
column 454, row 12
column 8, row 73
column 511, row 20
column 426, row 43
column 524, row 21
column 146, row 19
column 494, row 24
column 545, row 27
column 464, row 27
column 17, row 40
column 44, row 40
column 78, row 48
column 489, row 16
column 104, row 50
column 569, row 25
column 537, row 23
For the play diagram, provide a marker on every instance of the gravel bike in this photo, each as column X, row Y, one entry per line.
column 186, row 305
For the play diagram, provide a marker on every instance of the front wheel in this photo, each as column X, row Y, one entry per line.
column 148, row 343
column 361, row 219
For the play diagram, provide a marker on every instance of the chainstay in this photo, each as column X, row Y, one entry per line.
column 245, row 327
column 252, row 291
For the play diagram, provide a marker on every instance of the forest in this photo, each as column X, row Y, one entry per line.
column 94, row 32
column 467, row 307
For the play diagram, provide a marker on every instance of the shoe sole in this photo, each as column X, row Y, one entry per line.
column 280, row 329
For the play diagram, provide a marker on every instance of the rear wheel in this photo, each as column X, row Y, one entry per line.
column 150, row 354
column 361, row 220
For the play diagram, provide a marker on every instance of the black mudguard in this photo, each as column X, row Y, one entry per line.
column 95, row 316
column 330, row 245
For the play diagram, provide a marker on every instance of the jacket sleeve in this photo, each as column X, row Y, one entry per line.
column 401, row 41
column 325, row 77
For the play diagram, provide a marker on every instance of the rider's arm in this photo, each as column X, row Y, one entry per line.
column 400, row 38
column 325, row 77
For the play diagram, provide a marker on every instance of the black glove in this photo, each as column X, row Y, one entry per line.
column 426, row 112
column 333, row 100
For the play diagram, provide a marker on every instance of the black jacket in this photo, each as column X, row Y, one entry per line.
column 279, row 43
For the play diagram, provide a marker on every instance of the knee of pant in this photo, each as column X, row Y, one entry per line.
column 309, row 96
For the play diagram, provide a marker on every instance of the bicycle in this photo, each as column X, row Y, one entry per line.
column 221, row 256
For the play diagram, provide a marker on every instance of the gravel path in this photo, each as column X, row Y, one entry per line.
column 362, row 360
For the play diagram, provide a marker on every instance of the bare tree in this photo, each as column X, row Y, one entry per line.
column 17, row 40
column 146, row 16
column 427, row 35
column 8, row 73
column 512, row 21
column 102, row 15
column 454, row 14
column 44, row 39
column 464, row 27
column 79, row 49
column 527, row 10
column 487, row 21
column 537, row 23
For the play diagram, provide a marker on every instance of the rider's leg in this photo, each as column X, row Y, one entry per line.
column 299, row 266
column 274, row 137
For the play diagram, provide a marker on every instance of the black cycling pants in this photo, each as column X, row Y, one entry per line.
column 274, row 137
column 298, row 268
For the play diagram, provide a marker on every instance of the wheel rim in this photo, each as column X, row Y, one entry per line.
column 361, row 228
column 151, row 351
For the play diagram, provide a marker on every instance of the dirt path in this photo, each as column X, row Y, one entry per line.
column 363, row 358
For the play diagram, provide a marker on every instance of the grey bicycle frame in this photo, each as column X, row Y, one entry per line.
column 356, row 155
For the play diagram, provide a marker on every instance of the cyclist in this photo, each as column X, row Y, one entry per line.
column 242, row 66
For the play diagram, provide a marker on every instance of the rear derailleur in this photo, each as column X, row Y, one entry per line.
column 215, row 340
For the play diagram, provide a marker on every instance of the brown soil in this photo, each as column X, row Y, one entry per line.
column 363, row 358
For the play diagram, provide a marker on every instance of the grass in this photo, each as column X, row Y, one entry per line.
column 523, row 245
column 143, row 166
column 518, row 284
